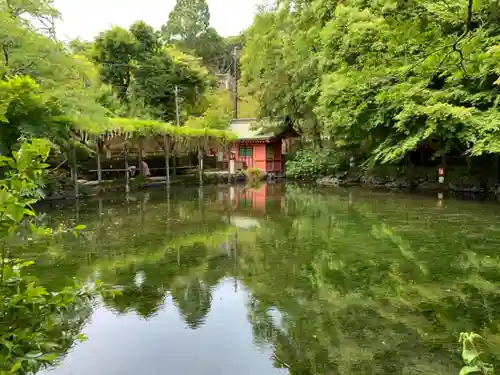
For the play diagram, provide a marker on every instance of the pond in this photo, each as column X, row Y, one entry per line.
column 279, row 279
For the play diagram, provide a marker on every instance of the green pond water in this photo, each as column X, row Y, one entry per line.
column 278, row 280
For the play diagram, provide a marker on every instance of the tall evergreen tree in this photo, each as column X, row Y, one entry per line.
column 188, row 27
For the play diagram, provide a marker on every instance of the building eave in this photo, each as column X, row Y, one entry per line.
column 257, row 140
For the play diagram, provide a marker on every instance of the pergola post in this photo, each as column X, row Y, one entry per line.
column 174, row 164
column 127, row 176
column 100, row 208
column 99, row 166
column 172, row 151
column 74, row 171
column 228, row 151
column 166, row 146
column 200, row 164
column 141, row 171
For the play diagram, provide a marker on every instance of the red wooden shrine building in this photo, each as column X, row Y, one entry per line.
column 258, row 148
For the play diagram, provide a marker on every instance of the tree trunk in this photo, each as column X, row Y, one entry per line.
column 317, row 135
column 443, row 159
column 99, row 166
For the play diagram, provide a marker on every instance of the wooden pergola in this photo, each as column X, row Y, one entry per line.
column 147, row 136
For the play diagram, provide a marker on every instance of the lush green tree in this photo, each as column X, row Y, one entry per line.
column 120, row 52
column 115, row 51
column 144, row 74
column 188, row 27
column 24, row 112
column 56, row 90
column 281, row 69
column 157, row 79
column 148, row 40
column 218, row 114
column 187, row 22
column 380, row 77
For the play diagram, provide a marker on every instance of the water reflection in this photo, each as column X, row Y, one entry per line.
column 124, row 344
column 273, row 280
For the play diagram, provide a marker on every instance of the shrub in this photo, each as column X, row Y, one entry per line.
column 253, row 175
column 310, row 164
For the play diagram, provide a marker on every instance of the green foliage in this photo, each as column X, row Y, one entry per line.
column 143, row 74
column 188, row 27
column 381, row 77
column 218, row 114
column 188, row 20
column 253, row 175
column 115, row 50
column 26, row 112
column 81, row 47
column 310, row 163
column 471, row 354
column 44, row 90
column 23, row 175
column 36, row 325
column 49, row 90
column 156, row 78
column 140, row 127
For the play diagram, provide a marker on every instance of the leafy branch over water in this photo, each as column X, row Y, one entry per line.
column 37, row 325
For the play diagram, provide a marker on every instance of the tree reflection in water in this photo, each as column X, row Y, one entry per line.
column 371, row 284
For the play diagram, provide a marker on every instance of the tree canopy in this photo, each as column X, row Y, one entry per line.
column 380, row 77
column 43, row 88
column 144, row 73
column 189, row 29
column 52, row 89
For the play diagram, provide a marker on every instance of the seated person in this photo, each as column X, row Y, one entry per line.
column 145, row 169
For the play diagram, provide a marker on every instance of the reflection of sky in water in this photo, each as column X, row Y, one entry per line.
column 244, row 222
column 139, row 278
column 129, row 345
column 277, row 319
